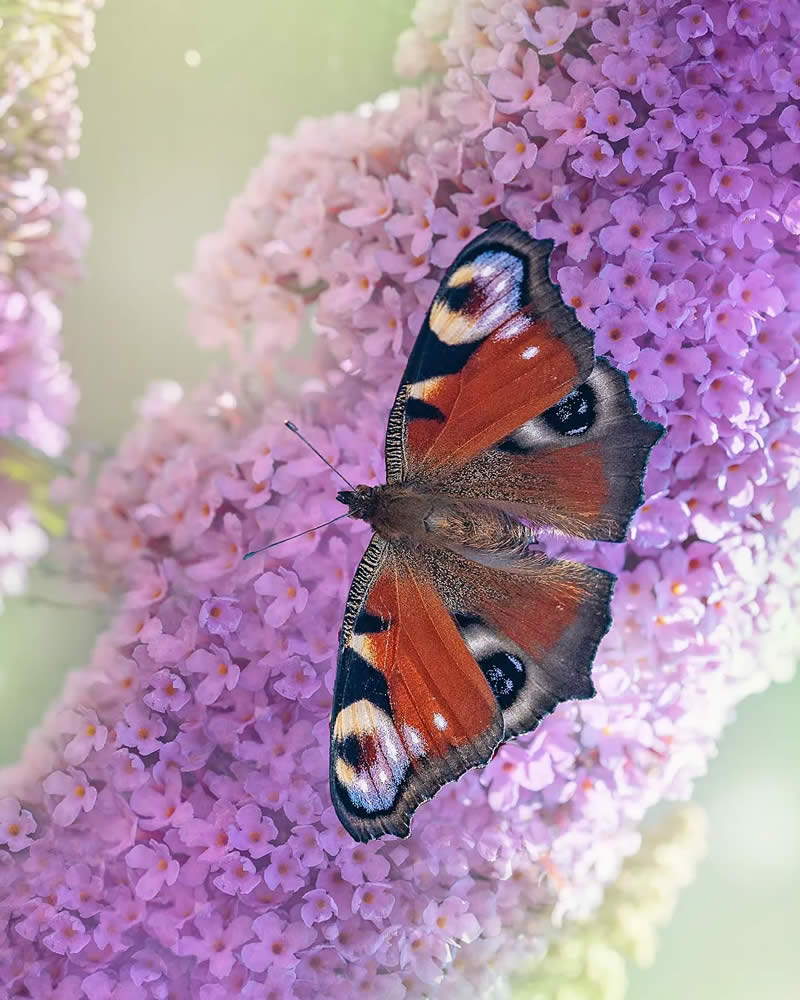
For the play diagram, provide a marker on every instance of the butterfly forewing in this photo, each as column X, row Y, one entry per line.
column 411, row 708
column 497, row 347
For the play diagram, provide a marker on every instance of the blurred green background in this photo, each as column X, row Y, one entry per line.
column 178, row 102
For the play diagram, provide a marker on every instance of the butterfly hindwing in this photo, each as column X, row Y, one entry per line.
column 497, row 347
column 411, row 708
column 533, row 625
column 577, row 468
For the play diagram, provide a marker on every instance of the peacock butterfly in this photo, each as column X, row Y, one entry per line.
column 458, row 633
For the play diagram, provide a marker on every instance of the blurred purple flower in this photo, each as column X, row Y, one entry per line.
column 159, row 868
column 43, row 233
column 16, row 825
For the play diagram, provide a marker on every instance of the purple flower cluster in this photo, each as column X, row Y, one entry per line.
column 37, row 395
column 42, row 236
column 44, row 43
column 169, row 829
column 588, row 959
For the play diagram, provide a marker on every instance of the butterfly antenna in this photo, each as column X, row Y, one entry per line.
column 294, row 430
column 280, row 541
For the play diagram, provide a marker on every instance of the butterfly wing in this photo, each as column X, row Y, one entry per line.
column 532, row 624
column 441, row 658
column 447, row 650
column 577, row 468
column 411, row 708
column 503, row 401
column 497, row 347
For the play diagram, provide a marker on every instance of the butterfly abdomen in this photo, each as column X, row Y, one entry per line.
column 477, row 529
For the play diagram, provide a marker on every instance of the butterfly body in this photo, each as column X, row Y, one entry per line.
column 394, row 511
column 459, row 632
column 436, row 521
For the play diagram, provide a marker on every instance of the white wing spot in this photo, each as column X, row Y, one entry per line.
column 391, row 745
column 415, row 742
column 495, row 314
column 512, row 327
column 530, row 352
column 439, row 721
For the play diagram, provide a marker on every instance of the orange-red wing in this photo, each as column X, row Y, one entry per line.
column 497, row 348
column 577, row 468
column 441, row 658
column 532, row 623
column 411, row 710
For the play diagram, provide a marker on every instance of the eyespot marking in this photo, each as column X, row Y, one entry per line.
column 370, row 761
column 478, row 297
column 574, row 414
column 505, row 673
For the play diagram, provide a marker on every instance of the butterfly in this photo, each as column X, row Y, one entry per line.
column 458, row 633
